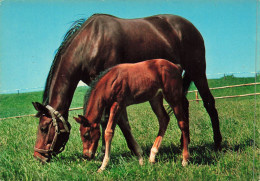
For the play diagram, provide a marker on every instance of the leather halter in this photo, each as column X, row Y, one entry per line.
column 55, row 115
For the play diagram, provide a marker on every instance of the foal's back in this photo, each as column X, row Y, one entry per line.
column 140, row 82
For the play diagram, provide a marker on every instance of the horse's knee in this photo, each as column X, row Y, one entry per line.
column 209, row 102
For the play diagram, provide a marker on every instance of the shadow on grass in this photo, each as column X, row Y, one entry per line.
column 200, row 154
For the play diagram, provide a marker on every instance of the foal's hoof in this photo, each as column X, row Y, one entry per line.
column 184, row 163
column 100, row 170
column 152, row 161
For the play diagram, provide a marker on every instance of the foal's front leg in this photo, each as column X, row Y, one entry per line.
column 109, row 133
column 123, row 124
column 163, row 118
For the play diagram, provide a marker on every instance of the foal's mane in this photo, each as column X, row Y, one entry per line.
column 92, row 87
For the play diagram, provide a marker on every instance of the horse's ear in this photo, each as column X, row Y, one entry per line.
column 40, row 108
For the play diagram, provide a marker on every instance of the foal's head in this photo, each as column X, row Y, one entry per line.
column 90, row 134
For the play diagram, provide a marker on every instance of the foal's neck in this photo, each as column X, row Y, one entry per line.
column 95, row 106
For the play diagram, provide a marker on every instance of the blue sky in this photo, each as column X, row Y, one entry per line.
column 31, row 32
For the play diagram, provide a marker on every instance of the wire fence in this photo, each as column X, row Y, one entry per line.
column 210, row 76
column 194, row 91
column 224, row 87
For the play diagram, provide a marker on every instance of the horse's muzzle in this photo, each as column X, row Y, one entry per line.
column 42, row 158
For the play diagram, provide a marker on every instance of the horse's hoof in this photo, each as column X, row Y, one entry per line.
column 184, row 163
column 218, row 147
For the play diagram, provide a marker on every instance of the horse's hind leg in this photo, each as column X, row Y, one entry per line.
column 123, row 123
column 163, row 118
column 209, row 103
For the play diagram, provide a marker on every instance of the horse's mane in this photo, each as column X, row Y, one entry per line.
column 92, row 86
column 66, row 40
column 69, row 36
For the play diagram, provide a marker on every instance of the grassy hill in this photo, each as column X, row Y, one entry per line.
column 238, row 160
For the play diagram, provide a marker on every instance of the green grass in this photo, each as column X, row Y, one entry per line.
column 234, row 162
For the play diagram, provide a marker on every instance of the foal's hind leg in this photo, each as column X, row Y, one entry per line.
column 123, row 123
column 209, row 103
column 176, row 104
column 185, row 103
column 163, row 118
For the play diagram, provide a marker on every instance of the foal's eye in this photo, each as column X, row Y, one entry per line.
column 87, row 135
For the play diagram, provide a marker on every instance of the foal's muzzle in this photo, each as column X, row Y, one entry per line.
column 89, row 155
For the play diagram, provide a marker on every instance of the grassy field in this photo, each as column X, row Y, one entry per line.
column 238, row 119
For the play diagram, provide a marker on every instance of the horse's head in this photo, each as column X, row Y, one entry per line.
column 53, row 132
column 90, row 134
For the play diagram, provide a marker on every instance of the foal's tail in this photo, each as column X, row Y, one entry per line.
column 186, row 81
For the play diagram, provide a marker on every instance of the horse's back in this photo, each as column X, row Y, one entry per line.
column 159, row 36
column 111, row 40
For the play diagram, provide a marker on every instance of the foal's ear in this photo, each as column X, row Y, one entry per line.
column 179, row 68
column 82, row 120
column 78, row 120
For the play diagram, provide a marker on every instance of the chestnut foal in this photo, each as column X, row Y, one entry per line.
column 128, row 84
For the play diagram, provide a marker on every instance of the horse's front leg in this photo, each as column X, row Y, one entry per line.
column 109, row 133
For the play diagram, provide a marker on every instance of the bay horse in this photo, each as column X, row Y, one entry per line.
column 133, row 83
column 102, row 41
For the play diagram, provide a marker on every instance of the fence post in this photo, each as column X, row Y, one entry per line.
column 197, row 96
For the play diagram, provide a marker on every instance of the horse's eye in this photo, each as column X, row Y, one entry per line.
column 44, row 129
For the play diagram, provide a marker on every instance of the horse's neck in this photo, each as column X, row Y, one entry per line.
column 62, row 90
